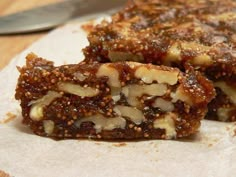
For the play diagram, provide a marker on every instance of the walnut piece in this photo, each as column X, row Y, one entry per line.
column 132, row 92
column 48, row 126
column 36, row 110
column 173, row 54
column 194, row 46
column 228, row 90
column 115, row 93
column 181, row 95
column 222, row 17
column 202, row 59
column 223, row 114
column 164, row 105
column 167, row 123
column 77, row 89
column 111, row 73
column 150, row 75
column 133, row 114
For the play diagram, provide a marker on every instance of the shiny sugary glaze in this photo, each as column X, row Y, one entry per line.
column 124, row 100
column 173, row 33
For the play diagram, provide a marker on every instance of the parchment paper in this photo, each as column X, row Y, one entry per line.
column 211, row 153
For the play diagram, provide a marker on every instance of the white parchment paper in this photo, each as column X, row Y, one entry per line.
column 211, row 153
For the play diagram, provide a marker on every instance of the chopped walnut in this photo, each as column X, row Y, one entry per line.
column 77, row 89
column 167, row 123
column 111, row 73
column 164, row 105
column 36, row 110
column 48, row 126
column 132, row 92
column 134, row 114
column 161, row 76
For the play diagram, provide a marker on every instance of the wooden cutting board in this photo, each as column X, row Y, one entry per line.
column 11, row 45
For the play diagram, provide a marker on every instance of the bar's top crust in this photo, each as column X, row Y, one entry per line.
column 164, row 31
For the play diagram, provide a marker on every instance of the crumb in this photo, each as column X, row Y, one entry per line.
column 9, row 117
column 233, row 130
column 216, row 140
column 210, row 145
column 3, row 174
column 98, row 143
column 119, row 144
column 97, row 155
column 88, row 27
column 209, row 141
column 227, row 128
column 234, row 133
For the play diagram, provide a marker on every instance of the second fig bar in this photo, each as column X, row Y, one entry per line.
column 177, row 33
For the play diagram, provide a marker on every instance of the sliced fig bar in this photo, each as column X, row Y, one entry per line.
column 172, row 33
column 123, row 100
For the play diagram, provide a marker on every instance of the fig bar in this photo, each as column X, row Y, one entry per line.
column 173, row 32
column 123, row 100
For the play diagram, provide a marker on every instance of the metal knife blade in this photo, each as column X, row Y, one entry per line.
column 47, row 17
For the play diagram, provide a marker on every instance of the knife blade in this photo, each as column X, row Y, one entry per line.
column 50, row 16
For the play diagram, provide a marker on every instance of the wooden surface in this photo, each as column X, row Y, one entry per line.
column 11, row 45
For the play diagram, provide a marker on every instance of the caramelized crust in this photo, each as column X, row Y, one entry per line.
column 123, row 100
column 173, row 33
